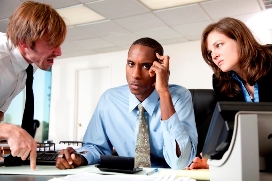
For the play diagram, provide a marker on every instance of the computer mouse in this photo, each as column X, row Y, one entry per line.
column 12, row 161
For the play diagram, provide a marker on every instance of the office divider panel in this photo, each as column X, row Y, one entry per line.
column 249, row 146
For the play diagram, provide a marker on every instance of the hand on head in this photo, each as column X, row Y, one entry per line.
column 22, row 144
column 198, row 163
column 68, row 159
column 160, row 69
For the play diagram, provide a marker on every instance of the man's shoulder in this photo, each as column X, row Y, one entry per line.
column 177, row 88
column 114, row 91
column 3, row 38
column 4, row 46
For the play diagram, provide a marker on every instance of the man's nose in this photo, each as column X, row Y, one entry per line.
column 57, row 51
column 136, row 72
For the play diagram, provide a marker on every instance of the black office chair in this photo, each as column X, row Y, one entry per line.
column 204, row 103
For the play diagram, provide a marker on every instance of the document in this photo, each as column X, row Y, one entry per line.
column 130, row 177
column 199, row 174
column 99, row 177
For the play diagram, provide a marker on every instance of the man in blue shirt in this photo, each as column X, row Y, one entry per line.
column 169, row 114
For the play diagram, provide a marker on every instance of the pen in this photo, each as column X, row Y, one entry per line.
column 153, row 171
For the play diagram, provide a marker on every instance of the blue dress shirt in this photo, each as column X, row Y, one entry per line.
column 244, row 90
column 115, row 124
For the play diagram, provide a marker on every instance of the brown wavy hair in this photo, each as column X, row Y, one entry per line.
column 32, row 21
column 255, row 59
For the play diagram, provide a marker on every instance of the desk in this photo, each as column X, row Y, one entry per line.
column 25, row 177
column 44, row 173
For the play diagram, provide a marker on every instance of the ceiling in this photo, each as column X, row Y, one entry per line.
column 128, row 20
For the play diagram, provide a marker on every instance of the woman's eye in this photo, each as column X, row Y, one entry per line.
column 219, row 45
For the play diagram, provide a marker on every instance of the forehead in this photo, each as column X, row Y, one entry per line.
column 42, row 41
column 137, row 52
column 215, row 36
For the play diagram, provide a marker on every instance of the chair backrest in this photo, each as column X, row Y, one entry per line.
column 204, row 103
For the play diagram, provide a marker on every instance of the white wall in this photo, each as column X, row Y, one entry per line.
column 186, row 65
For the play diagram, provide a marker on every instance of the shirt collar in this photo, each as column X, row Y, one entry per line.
column 237, row 77
column 149, row 103
column 18, row 61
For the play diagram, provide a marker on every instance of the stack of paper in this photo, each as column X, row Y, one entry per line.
column 199, row 174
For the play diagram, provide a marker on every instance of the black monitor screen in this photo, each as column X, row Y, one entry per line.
column 221, row 127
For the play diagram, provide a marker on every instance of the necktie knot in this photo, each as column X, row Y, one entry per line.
column 29, row 73
column 141, row 109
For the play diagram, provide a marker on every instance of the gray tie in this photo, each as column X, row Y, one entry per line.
column 142, row 151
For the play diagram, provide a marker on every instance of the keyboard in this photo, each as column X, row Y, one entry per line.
column 46, row 154
column 44, row 158
column 48, row 157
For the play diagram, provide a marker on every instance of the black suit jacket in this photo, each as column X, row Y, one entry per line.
column 264, row 86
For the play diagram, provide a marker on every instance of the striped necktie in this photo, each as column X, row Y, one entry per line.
column 142, row 151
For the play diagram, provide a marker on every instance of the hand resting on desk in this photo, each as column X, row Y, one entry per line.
column 198, row 163
column 68, row 158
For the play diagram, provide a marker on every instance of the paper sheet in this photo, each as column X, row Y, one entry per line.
column 98, row 177
column 130, row 177
column 201, row 174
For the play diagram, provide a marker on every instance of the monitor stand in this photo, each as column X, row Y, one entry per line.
column 244, row 158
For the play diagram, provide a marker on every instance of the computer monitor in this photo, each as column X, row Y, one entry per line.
column 221, row 127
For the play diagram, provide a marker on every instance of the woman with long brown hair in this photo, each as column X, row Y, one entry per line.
column 241, row 65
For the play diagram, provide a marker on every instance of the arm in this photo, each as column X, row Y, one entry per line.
column 68, row 159
column 161, row 69
column 20, row 142
column 94, row 136
column 177, row 118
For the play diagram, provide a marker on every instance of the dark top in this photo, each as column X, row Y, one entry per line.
column 264, row 85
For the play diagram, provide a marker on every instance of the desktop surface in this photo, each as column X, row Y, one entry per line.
column 26, row 177
column 20, row 173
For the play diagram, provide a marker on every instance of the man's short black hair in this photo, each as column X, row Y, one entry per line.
column 149, row 42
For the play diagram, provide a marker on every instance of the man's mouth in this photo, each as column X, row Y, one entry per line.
column 135, row 85
column 50, row 60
